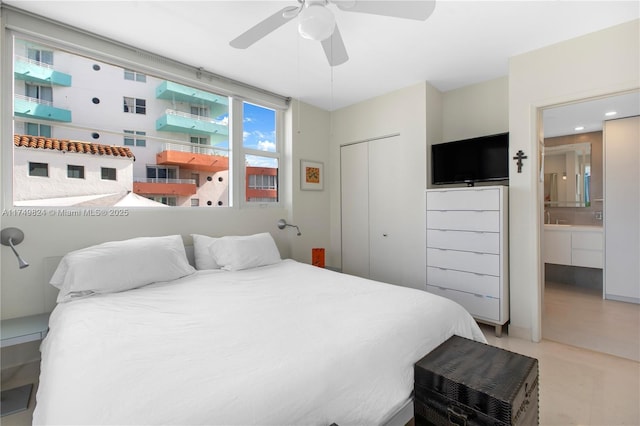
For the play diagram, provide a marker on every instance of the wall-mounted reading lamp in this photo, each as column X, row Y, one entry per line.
column 12, row 237
column 283, row 224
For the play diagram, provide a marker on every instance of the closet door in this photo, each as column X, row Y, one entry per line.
column 354, row 176
column 386, row 224
column 622, row 209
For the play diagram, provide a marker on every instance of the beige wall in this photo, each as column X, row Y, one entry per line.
column 593, row 65
column 477, row 110
column 310, row 133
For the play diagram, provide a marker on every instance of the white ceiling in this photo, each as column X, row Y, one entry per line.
column 589, row 115
column 463, row 42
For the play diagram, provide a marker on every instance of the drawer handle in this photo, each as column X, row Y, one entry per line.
column 478, row 295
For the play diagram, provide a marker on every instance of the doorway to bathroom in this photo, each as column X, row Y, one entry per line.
column 575, row 310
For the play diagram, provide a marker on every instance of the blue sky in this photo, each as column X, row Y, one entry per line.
column 259, row 133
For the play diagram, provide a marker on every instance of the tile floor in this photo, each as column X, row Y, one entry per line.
column 579, row 316
column 588, row 358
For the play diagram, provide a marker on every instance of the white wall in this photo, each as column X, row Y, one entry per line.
column 477, row 110
column 48, row 237
column 310, row 129
column 404, row 112
column 57, row 184
column 593, row 65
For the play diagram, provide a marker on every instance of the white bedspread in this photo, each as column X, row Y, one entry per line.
column 286, row 344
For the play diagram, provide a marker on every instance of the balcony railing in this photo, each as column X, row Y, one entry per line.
column 194, row 117
column 33, row 62
column 184, row 122
column 195, row 149
column 34, row 100
column 39, row 72
column 164, row 180
column 25, row 106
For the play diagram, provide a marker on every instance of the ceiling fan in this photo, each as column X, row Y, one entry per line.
column 317, row 22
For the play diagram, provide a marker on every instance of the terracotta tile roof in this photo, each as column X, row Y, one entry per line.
column 40, row 142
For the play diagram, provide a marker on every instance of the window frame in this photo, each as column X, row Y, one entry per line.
column 277, row 154
column 108, row 169
column 30, row 168
column 72, row 168
column 19, row 25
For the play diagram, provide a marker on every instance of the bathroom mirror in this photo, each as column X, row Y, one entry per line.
column 567, row 175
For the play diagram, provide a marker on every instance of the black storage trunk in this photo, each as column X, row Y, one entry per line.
column 465, row 382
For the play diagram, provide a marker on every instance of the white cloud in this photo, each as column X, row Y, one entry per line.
column 266, row 146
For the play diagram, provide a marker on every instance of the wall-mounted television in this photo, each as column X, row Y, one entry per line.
column 481, row 159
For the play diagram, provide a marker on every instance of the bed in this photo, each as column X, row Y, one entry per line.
column 280, row 343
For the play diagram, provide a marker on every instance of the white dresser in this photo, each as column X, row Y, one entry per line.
column 467, row 250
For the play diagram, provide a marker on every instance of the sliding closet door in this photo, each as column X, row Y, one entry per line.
column 386, row 222
column 622, row 209
column 354, row 176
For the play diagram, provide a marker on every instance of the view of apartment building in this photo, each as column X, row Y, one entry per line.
column 177, row 137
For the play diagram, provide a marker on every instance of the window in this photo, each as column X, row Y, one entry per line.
column 200, row 111
column 161, row 173
column 135, row 141
column 169, row 201
column 38, row 169
column 262, row 182
column 195, row 202
column 135, row 76
column 135, row 106
column 35, row 129
column 38, row 55
column 196, row 178
column 173, row 118
column 42, row 93
column 108, row 173
column 261, row 153
column 75, row 172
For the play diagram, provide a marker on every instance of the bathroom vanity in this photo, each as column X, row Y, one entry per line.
column 574, row 245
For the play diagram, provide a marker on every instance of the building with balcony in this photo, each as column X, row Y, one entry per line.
column 179, row 135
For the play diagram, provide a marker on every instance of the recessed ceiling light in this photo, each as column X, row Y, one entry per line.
column 610, row 113
column 577, row 129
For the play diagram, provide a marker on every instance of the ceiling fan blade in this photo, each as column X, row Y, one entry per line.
column 419, row 10
column 335, row 49
column 264, row 28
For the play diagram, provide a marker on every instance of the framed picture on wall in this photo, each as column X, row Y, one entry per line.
column 311, row 175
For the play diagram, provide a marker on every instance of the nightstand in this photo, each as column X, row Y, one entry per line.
column 14, row 332
column 24, row 329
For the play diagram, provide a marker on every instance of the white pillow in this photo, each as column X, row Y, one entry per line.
column 201, row 252
column 235, row 253
column 120, row 265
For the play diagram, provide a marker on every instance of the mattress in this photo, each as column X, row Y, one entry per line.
column 284, row 344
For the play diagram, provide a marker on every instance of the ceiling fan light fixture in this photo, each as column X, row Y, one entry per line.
column 316, row 22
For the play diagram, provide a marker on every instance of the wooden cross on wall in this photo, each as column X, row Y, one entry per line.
column 519, row 156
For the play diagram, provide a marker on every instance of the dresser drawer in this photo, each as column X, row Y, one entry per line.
column 487, row 221
column 484, row 308
column 486, row 285
column 480, row 263
column 478, row 241
column 474, row 199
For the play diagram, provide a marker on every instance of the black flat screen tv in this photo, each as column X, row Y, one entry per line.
column 481, row 159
